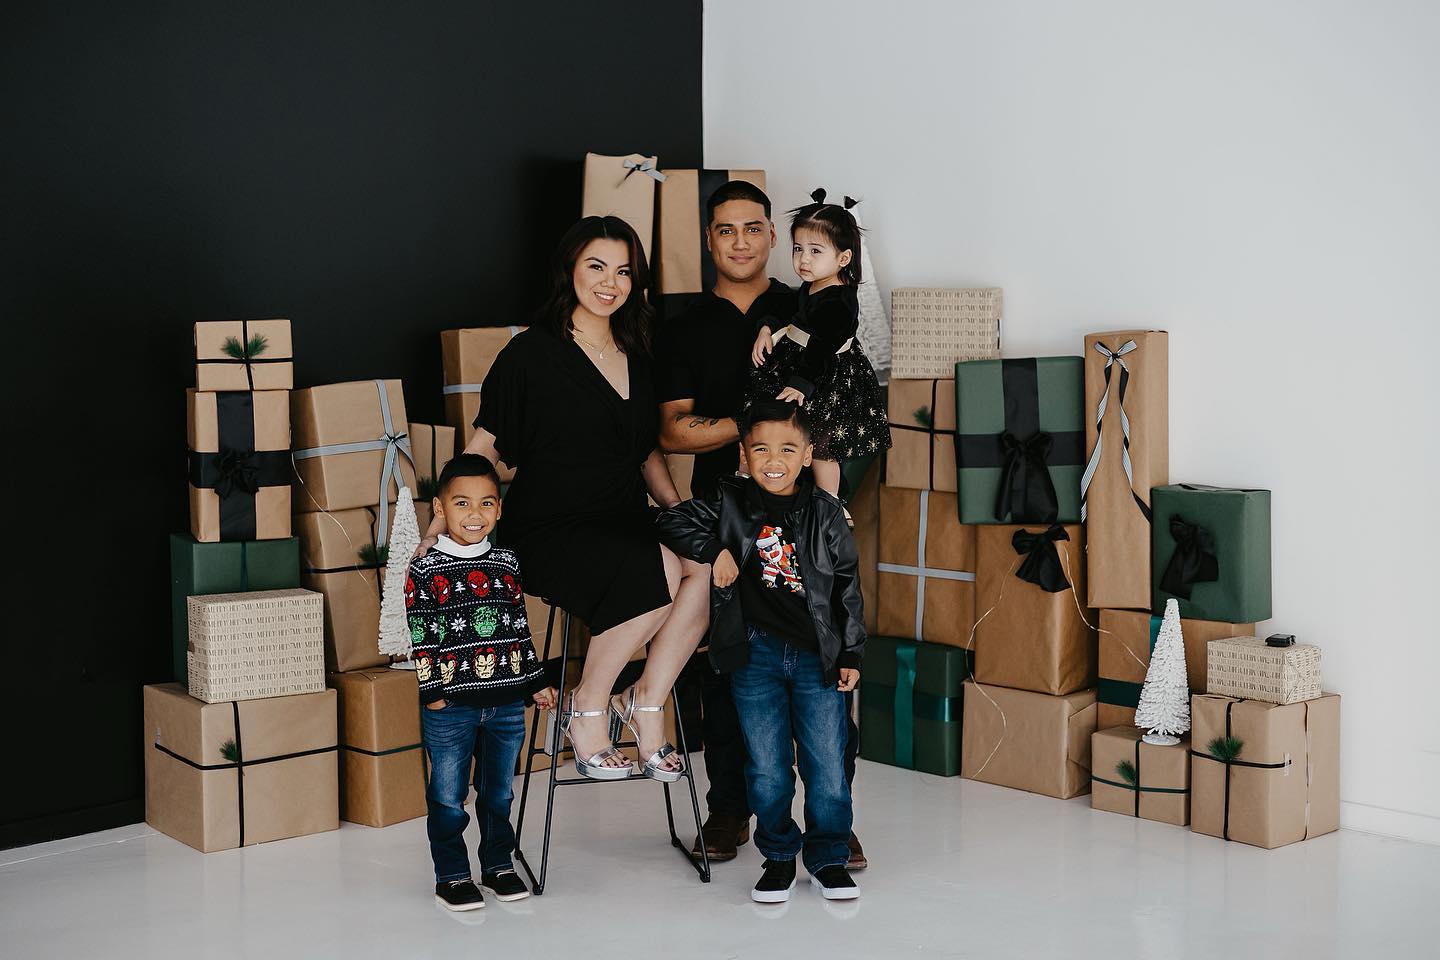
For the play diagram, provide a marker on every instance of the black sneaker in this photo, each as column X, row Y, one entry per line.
column 834, row 883
column 775, row 883
column 459, row 895
column 506, row 885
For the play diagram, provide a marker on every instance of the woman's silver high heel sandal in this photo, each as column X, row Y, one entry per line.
column 594, row 766
column 654, row 767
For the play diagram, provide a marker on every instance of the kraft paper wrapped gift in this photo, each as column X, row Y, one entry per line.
column 466, row 356
column 922, row 435
column 1127, row 445
column 1210, row 547
column 1127, row 638
column 243, row 355
column 864, row 508
column 351, row 446
column 932, row 328
column 340, row 560
column 910, row 704
column 683, row 263
column 248, row 646
column 1028, row 741
column 926, row 579
column 382, row 770
column 1262, row 773
column 239, row 464
column 1139, row 779
column 432, row 447
column 1020, row 443
column 622, row 187
column 1035, row 636
column 197, row 568
column 226, row 775
column 1245, row 667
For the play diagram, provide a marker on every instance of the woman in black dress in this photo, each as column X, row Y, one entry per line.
column 570, row 404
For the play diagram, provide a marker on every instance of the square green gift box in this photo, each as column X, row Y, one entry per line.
column 234, row 566
column 1020, row 439
column 1210, row 549
column 910, row 705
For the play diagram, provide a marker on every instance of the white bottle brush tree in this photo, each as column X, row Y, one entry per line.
column 404, row 538
column 1165, row 699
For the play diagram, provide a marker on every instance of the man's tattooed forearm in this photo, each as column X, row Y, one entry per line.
column 696, row 421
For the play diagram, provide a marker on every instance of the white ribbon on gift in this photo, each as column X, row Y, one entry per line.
column 1112, row 357
column 921, row 572
column 474, row 387
column 646, row 167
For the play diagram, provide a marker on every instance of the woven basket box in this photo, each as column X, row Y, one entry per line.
column 931, row 329
column 1245, row 667
column 247, row 646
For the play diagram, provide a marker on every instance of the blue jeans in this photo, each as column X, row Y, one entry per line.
column 786, row 707
column 452, row 736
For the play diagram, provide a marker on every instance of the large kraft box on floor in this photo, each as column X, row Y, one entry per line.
column 1127, row 414
column 351, row 449
column 683, row 262
column 1028, row 741
column 1020, row 443
column 922, row 435
column 932, row 328
column 248, row 646
column 1210, row 548
column 198, row 568
column 1127, row 638
column 1246, row 667
column 910, row 705
column 622, row 187
column 382, row 771
column 243, row 355
column 239, row 464
column 926, row 559
column 1139, row 779
column 1032, row 638
column 466, row 357
column 195, row 754
column 1282, row 786
column 339, row 559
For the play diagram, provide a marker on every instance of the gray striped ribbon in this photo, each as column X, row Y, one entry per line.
column 475, row 387
column 392, row 443
column 646, row 167
column 1112, row 357
column 921, row 572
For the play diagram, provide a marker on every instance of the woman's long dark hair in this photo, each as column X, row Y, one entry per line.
column 837, row 224
column 630, row 325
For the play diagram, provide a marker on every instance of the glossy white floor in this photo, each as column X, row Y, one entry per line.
column 958, row 869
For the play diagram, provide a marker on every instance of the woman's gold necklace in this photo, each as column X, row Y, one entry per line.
column 592, row 346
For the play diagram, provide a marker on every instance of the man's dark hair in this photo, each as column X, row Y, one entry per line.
column 466, row 465
column 775, row 411
column 735, row 190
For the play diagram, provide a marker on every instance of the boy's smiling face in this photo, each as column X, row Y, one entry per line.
column 471, row 507
column 776, row 451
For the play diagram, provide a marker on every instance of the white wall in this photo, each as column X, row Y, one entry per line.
column 1261, row 179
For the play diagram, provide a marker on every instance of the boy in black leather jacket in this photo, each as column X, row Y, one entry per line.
column 786, row 621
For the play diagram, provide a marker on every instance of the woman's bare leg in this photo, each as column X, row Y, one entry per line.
column 827, row 475
column 670, row 651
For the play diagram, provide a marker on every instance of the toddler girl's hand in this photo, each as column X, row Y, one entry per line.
column 545, row 699
column 791, row 394
column 723, row 571
column 763, row 346
column 849, row 677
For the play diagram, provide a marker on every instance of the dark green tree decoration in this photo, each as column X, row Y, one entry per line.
column 1225, row 749
column 246, row 351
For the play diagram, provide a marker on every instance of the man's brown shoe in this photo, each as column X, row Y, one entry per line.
column 722, row 833
column 857, row 855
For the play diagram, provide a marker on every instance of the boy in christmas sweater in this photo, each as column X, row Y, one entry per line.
column 477, row 669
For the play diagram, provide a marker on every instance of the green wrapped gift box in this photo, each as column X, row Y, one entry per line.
column 1210, row 548
column 234, row 566
column 1020, row 440
column 910, row 704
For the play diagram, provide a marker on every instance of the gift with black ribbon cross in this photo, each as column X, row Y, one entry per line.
column 1020, row 442
column 433, row 447
column 1210, row 548
column 922, row 435
column 382, row 776
column 342, row 558
column 925, row 583
column 623, row 187
column 1138, row 779
column 239, row 464
column 243, row 355
column 910, row 704
column 682, row 260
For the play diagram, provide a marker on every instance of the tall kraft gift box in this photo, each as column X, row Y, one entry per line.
column 1031, row 633
column 683, row 263
column 922, row 435
column 382, row 771
column 243, row 355
column 239, row 446
column 433, row 447
column 351, row 446
column 1028, row 741
column 926, row 563
column 910, row 704
column 1127, row 638
column 1210, row 548
column 1127, row 446
column 1262, row 773
column 466, row 356
column 622, row 187
column 340, row 559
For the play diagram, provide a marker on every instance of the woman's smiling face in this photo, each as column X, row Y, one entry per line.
column 602, row 276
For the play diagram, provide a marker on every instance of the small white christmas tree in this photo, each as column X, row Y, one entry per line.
column 404, row 538
column 1165, row 699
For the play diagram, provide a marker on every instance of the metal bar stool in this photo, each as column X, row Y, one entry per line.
column 537, row 882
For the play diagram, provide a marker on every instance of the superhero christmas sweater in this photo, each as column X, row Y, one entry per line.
column 468, row 627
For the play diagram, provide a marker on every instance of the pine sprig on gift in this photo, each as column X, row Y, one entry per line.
column 230, row 751
column 246, row 351
column 427, row 488
column 374, row 556
column 1225, row 749
column 1128, row 773
column 925, row 418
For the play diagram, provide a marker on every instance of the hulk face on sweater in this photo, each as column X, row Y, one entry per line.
column 470, row 506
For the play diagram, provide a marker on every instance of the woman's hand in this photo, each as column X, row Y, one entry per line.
column 791, row 394
column 724, row 571
column 849, row 677
column 762, row 348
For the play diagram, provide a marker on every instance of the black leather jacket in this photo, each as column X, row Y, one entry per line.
column 730, row 519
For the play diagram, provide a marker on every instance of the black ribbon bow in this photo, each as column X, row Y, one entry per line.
column 1027, row 494
column 1041, row 565
column 238, row 473
column 1193, row 561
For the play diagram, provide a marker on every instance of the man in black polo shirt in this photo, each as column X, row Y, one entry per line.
column 703, row 358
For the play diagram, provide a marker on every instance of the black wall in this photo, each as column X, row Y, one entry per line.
column 375, row 171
